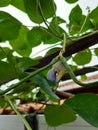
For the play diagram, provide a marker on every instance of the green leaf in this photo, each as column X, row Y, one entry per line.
column 24, row 88
column 4, row 52
column 26, row 62
column 2, row 102
column 71, row 1
column 57, row 115
column 86, row 105
column 75, row 15
column 40, row 34
column 94, row 17
column 83, row 57
column 51, row 51
column 87, row 24
column 2, row 55
column 4, row 3
column 7, row 72
column 18, row 4
column 43, row 83
column 54, row 24
column 77, row 20
column 96, row 51
column 9, row 27
column 83, row 77
column 35, row 36
column 59, row 19
column 41, row 96
column 21, row 44
column 32, row 8
column 49, row 38
column 73, row 67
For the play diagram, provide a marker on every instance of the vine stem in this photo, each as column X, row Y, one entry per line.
column 20, row 116
column 54, row 128
column 73, row 77
column 63, row 46
column 67, row 67
column 54, row 32
column 64, row 43
column 85, row 20
column 28, row 77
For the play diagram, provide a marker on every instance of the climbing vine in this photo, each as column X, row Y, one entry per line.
column 20, row 73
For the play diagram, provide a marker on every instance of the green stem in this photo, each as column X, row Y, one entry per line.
column 56, row 22
column 84, row 36
column 28, row 77
column 73, row 77
column 42, row 15
column 47, row 48
column 63, row 45
column 20, row 116
column 54, row 128
column 47, row 127
column 64, row 42
column 85, row 20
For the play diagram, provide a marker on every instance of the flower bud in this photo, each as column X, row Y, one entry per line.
column 51, row 75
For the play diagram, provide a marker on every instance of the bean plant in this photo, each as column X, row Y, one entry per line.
column 72, row 40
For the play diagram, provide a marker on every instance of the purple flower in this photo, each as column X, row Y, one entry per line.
column 51, row 75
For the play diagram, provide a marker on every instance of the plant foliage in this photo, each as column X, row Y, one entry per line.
column 17, row 63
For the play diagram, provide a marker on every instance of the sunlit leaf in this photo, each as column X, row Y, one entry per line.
column 48, row 9
column 86, row 105
column 4, row 3
column 93, row 17
column 75, row 15
column 83, row 57
column 75, row 18
column 56, row 115
column 21, row 44
column 79, row 23
column 71, row 1
column 43, row 83
column 9, row 27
